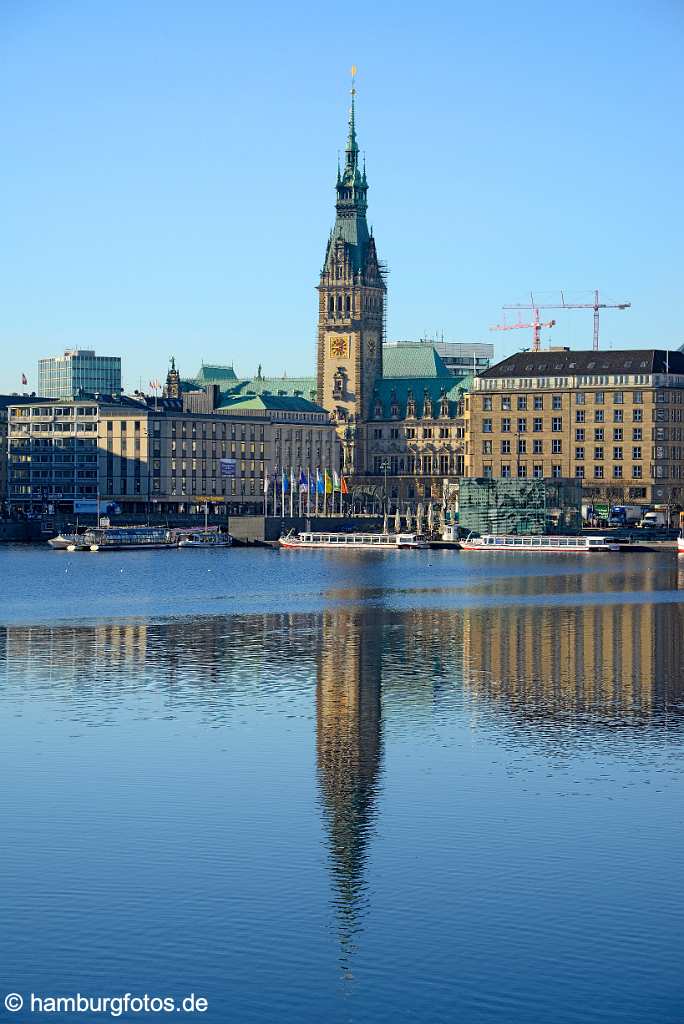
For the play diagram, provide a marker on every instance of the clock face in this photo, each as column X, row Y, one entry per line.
column 339, row 347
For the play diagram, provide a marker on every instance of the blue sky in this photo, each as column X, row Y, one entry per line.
column 166, row 185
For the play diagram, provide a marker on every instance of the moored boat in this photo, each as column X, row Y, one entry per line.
column 63, row 541
column 538, row 544
column 123, row 538
column 206, row 539
column 353, row 541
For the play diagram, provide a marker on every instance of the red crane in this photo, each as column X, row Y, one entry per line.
column 536, row 326
column 595, row 305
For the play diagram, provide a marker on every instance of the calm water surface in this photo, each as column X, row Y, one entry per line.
column 351, row 787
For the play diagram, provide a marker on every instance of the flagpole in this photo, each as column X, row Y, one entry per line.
column 291, row 493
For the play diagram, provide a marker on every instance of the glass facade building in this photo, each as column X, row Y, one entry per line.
column 79, row 372
column 509, row 506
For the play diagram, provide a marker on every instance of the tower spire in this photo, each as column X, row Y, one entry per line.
column 352, row 144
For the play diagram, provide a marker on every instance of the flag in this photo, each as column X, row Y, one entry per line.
column 303, row 483
column 266, row 484
column 24, row 379
column 292, row 480
column 328, row 482
column 336, row 480
column 320, row 486
column 286, row 482
column 345, row 489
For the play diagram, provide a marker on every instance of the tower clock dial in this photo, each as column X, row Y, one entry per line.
column 339, row 347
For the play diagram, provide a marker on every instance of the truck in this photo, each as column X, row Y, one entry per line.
column 654, row 520
column 625, row 515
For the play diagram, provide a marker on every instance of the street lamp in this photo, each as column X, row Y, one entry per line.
column 384, row 466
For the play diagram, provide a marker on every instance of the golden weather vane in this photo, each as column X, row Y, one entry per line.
column 353, row 78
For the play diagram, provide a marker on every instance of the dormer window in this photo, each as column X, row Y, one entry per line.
column 410, row 404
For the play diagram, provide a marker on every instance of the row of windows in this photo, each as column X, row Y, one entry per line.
column 536, row 470
column 537, row 401
column 410, row 433
column 507, row 424
column 425, row 465
column 566, row 383
column 506, row 448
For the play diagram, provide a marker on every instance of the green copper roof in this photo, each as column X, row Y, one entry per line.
column 213, row 374
column 306, row 386
column 399, row 389
column 284, row 403
column 412, row 360
column 232, row 385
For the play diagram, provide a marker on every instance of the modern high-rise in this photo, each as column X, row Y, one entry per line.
column 79, row 372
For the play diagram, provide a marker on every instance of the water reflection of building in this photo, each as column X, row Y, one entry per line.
column 600, row 657
column 349, row 745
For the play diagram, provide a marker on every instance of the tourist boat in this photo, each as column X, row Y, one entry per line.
column 123, row 538
column 680, row 542
column 538, row 544
column 205, row 539
column 354, row 541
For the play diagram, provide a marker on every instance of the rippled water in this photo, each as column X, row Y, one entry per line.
column 345, row 787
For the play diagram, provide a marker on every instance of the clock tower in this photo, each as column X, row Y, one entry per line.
column 351, row 306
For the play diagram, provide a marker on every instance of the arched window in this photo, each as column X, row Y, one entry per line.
column 339, row 303
column 331, row 304
column 348, row 303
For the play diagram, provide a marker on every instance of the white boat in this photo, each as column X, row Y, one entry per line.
column 205, row 539
column 538, row 544
column 64, row 541
column 680, row 543
column 354, row 541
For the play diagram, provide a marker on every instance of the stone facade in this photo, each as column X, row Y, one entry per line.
column 610, row 419
column 156, row 455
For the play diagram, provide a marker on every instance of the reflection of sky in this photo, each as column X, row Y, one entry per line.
column 368, row 812
column 51, row 586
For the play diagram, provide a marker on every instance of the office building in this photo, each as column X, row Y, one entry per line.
column 612, row 420
column 79, row 372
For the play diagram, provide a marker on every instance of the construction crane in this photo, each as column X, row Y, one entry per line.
column 596, row 305
column 536, row 326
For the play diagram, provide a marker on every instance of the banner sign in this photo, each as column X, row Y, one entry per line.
column 228, row 467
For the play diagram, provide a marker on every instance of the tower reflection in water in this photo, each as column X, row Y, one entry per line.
column 349, row 750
